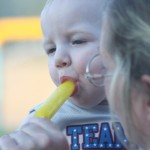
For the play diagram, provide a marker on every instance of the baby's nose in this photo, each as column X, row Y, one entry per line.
column 62, row 61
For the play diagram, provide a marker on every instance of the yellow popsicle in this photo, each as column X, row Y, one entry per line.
column 58, row 97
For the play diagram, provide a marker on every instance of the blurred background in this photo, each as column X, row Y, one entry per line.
column 24, row 77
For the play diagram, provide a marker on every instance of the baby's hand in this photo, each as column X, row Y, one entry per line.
column 36, row 134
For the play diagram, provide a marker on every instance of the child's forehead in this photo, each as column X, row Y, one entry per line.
column 76, row 7
column 65, row 14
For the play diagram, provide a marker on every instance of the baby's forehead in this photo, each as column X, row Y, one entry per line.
column 67, row 14
column 92, row 8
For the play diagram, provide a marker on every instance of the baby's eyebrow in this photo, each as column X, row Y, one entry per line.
column 47, row 42
column 80, row 33
column 80, row 29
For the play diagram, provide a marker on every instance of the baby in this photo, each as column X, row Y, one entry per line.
column 71, row 35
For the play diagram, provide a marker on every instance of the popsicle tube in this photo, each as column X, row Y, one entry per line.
column 55, row 101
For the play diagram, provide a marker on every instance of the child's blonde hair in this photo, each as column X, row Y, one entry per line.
column 130, row 25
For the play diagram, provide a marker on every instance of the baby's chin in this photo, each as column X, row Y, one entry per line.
column 84, row 105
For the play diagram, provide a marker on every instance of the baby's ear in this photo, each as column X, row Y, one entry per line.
column 146, row 80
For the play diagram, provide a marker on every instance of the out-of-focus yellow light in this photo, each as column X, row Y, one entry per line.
column 15, row 29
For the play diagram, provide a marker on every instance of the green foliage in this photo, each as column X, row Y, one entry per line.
column 14, row 8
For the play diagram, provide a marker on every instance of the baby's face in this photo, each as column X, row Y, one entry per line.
column 71, row 32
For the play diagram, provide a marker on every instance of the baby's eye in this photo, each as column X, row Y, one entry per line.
column 78, row 42
column 51, row 50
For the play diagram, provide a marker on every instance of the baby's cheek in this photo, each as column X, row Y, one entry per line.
column 80, row 61
column 54, row 75
column 81, row 67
